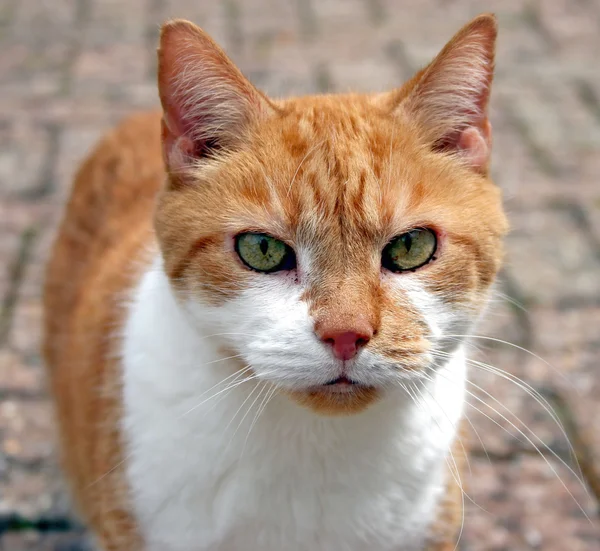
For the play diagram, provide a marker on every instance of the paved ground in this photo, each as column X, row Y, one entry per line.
column 71, row 68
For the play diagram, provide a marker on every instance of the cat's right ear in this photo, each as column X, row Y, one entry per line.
column 449, row 98
column 207, row 103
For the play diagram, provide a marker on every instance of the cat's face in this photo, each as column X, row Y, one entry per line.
column 331, row 248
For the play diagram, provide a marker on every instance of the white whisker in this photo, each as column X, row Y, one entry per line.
column 233, row 385
column 452, row 468
column 532, row 392
column 513, row 345
column 262, row 388
column 261, row 407
column 530, row 442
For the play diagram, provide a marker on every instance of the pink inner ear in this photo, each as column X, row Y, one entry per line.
column 177, row 147
column 474, row 145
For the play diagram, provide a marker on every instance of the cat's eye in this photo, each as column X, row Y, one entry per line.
column 409, row 251
column 264, row 253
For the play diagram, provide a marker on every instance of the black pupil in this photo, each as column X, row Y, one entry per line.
column 407, row 240
column 264, row 246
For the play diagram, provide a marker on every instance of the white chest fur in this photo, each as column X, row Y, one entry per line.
column 201, row 480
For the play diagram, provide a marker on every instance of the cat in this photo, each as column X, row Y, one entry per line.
column 256, row 309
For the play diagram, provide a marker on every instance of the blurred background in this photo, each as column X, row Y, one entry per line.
column 69, row 69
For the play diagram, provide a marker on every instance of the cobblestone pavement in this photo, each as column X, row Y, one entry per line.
column 71, row 68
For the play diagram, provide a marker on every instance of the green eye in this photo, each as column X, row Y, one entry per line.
column 409, row 251
column 264, row 253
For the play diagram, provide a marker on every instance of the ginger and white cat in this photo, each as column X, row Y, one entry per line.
column 260, row 347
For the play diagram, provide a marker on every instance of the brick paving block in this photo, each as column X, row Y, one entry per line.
column 11, row 59
column 18, row 377
column 526, row 504
column 39, row 65
column 581, row 132
column 591, row 210
column 36, row 16
column 29, row 481
column 10, row 239
column 589, row 168
column 340, row 13
column 31, row 540
column 27, row 430
column 26, row 330
column 263, row 20
column 519, row 48
column 26, row 155
column 32, row 493
column 551, row 259
column 17, row 231
column 102, row 71
column 575, row 373
column 26, row 317
column 111, row 21
column 361, row 75
column 533, row 117
column 514, row 169
column 138, row 96
column 571, row 26
column 31, row 55
column 31, row 286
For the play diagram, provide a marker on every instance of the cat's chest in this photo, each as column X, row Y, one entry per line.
column 215, row 480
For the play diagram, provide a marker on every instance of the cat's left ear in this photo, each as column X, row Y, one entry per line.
column 450, row 98
column 208, row 105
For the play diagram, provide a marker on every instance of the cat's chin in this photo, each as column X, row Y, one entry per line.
column 327, row 400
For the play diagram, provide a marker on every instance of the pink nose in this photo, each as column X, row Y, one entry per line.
column 345, row 344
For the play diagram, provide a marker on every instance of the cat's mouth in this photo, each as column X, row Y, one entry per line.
column 340, row 385
column 341, row 381
column 339, row 396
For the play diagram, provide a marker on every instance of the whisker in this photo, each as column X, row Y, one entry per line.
column 221, row 360
column 261, row 407
column 556, row 455
column 262, row 388
column 233, row 385
column 223, row 396
column 236, row 333
column 455, row 472
column 466, row 455
column 108, row 473
column 529, row 390
column 234, row 375
column 241, row 406
column 452, row 467
column 512, row 301
column 522, row 349
column 449, row 421
column 237, row 375
column 537, row 396
column 531, row 443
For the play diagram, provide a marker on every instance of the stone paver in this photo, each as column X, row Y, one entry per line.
column 72, row 68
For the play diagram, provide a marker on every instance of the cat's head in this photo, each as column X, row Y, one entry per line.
column 339, row 244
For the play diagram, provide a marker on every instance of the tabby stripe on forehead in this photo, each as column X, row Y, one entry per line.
column 358, row 202
column 182, row 264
